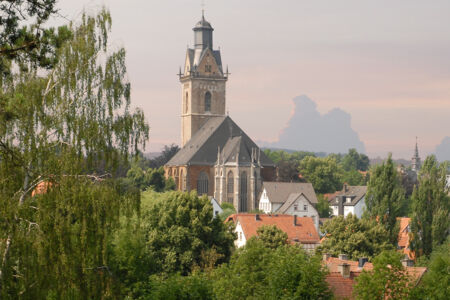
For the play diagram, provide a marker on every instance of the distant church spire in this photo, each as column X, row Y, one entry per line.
column 415, row 161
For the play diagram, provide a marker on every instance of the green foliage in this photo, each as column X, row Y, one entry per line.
column 323, row 207
column 354, row 237
column 385, row 197
column 181, row 228
column 63, row 125
column 228, row 210
column 258, row 272
column 355, row 161
column 271, row 236
column 150, row 178
column 436, row 282
column 431, row 207
column 324, row 173
column 177, row 287
column 387, row 280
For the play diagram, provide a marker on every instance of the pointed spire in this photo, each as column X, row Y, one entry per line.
column 415, row 161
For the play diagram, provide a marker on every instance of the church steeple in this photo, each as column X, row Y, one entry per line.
column 203, row 36
column 415, row 161
column 203, row 82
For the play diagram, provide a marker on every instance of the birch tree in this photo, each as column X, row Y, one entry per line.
column 58, row 128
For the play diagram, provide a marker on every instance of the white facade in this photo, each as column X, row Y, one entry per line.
column 216, row 208
column 264, row 203
column 241, row 240
column 302, row 207
column 356, row 210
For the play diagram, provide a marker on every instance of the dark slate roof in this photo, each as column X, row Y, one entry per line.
column 203, row 24
column 215, row 53
column 291, row 199
column 279, row 192
column 217, row 133
column 355, row 192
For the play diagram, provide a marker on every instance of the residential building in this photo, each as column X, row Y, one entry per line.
column 292, row 198
column 350, row 200
column 217, row 158
column 298, row 229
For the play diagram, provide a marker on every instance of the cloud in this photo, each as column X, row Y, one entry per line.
column 308, row 130
column 443, row 149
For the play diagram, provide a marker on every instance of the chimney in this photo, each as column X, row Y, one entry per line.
column 344, row 269
column 326, row 256
column 362, row 261
column 345, row 188
column 257, row 218
column 295, row 220
column 343, row 256
column 408, row 262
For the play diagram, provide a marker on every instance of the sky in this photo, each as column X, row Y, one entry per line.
column 386, row 63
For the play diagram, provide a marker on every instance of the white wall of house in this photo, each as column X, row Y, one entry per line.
column 241, row 240
column 302, row 208
column 216, row 207
column 360, row 207
column 349, row 210
column 335, row 210
column 264, row 203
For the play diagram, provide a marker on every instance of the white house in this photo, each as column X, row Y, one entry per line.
column 216, row 207
column 350, row 200
column 291, row 198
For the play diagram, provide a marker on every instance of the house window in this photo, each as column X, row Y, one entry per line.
column 202, row 183
column 305, row 207
column 295, row 207
column 240, row 236
column 349, row 200
column 207, row 101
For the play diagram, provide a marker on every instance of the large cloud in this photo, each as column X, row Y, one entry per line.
column 443, row 149
column 308, row 130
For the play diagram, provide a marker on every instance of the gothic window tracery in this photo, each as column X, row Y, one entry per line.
column 230, row 187
column 243, row 192
column 207, row 101
column 202, row 183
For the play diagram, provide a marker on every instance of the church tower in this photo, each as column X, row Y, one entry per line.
column 415, row 161
column 202, row 82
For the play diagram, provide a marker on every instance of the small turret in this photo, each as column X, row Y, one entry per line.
column 203, row 36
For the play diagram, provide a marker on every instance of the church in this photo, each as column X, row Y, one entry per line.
column 216, row 158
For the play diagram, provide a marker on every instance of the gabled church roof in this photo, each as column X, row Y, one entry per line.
column 218, row 133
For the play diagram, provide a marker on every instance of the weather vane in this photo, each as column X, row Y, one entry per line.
column 203, row 8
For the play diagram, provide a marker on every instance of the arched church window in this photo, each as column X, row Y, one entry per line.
column 208, row 101
column 243, row 192
column 202, row 183
column 230, row 187
column 187, row 103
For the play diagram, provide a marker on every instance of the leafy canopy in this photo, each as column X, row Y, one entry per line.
column 355, row 237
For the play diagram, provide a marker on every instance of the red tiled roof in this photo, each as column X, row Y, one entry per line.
column 343, row 287
column 41, row 188
column 305, row 231
column 403, row 237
